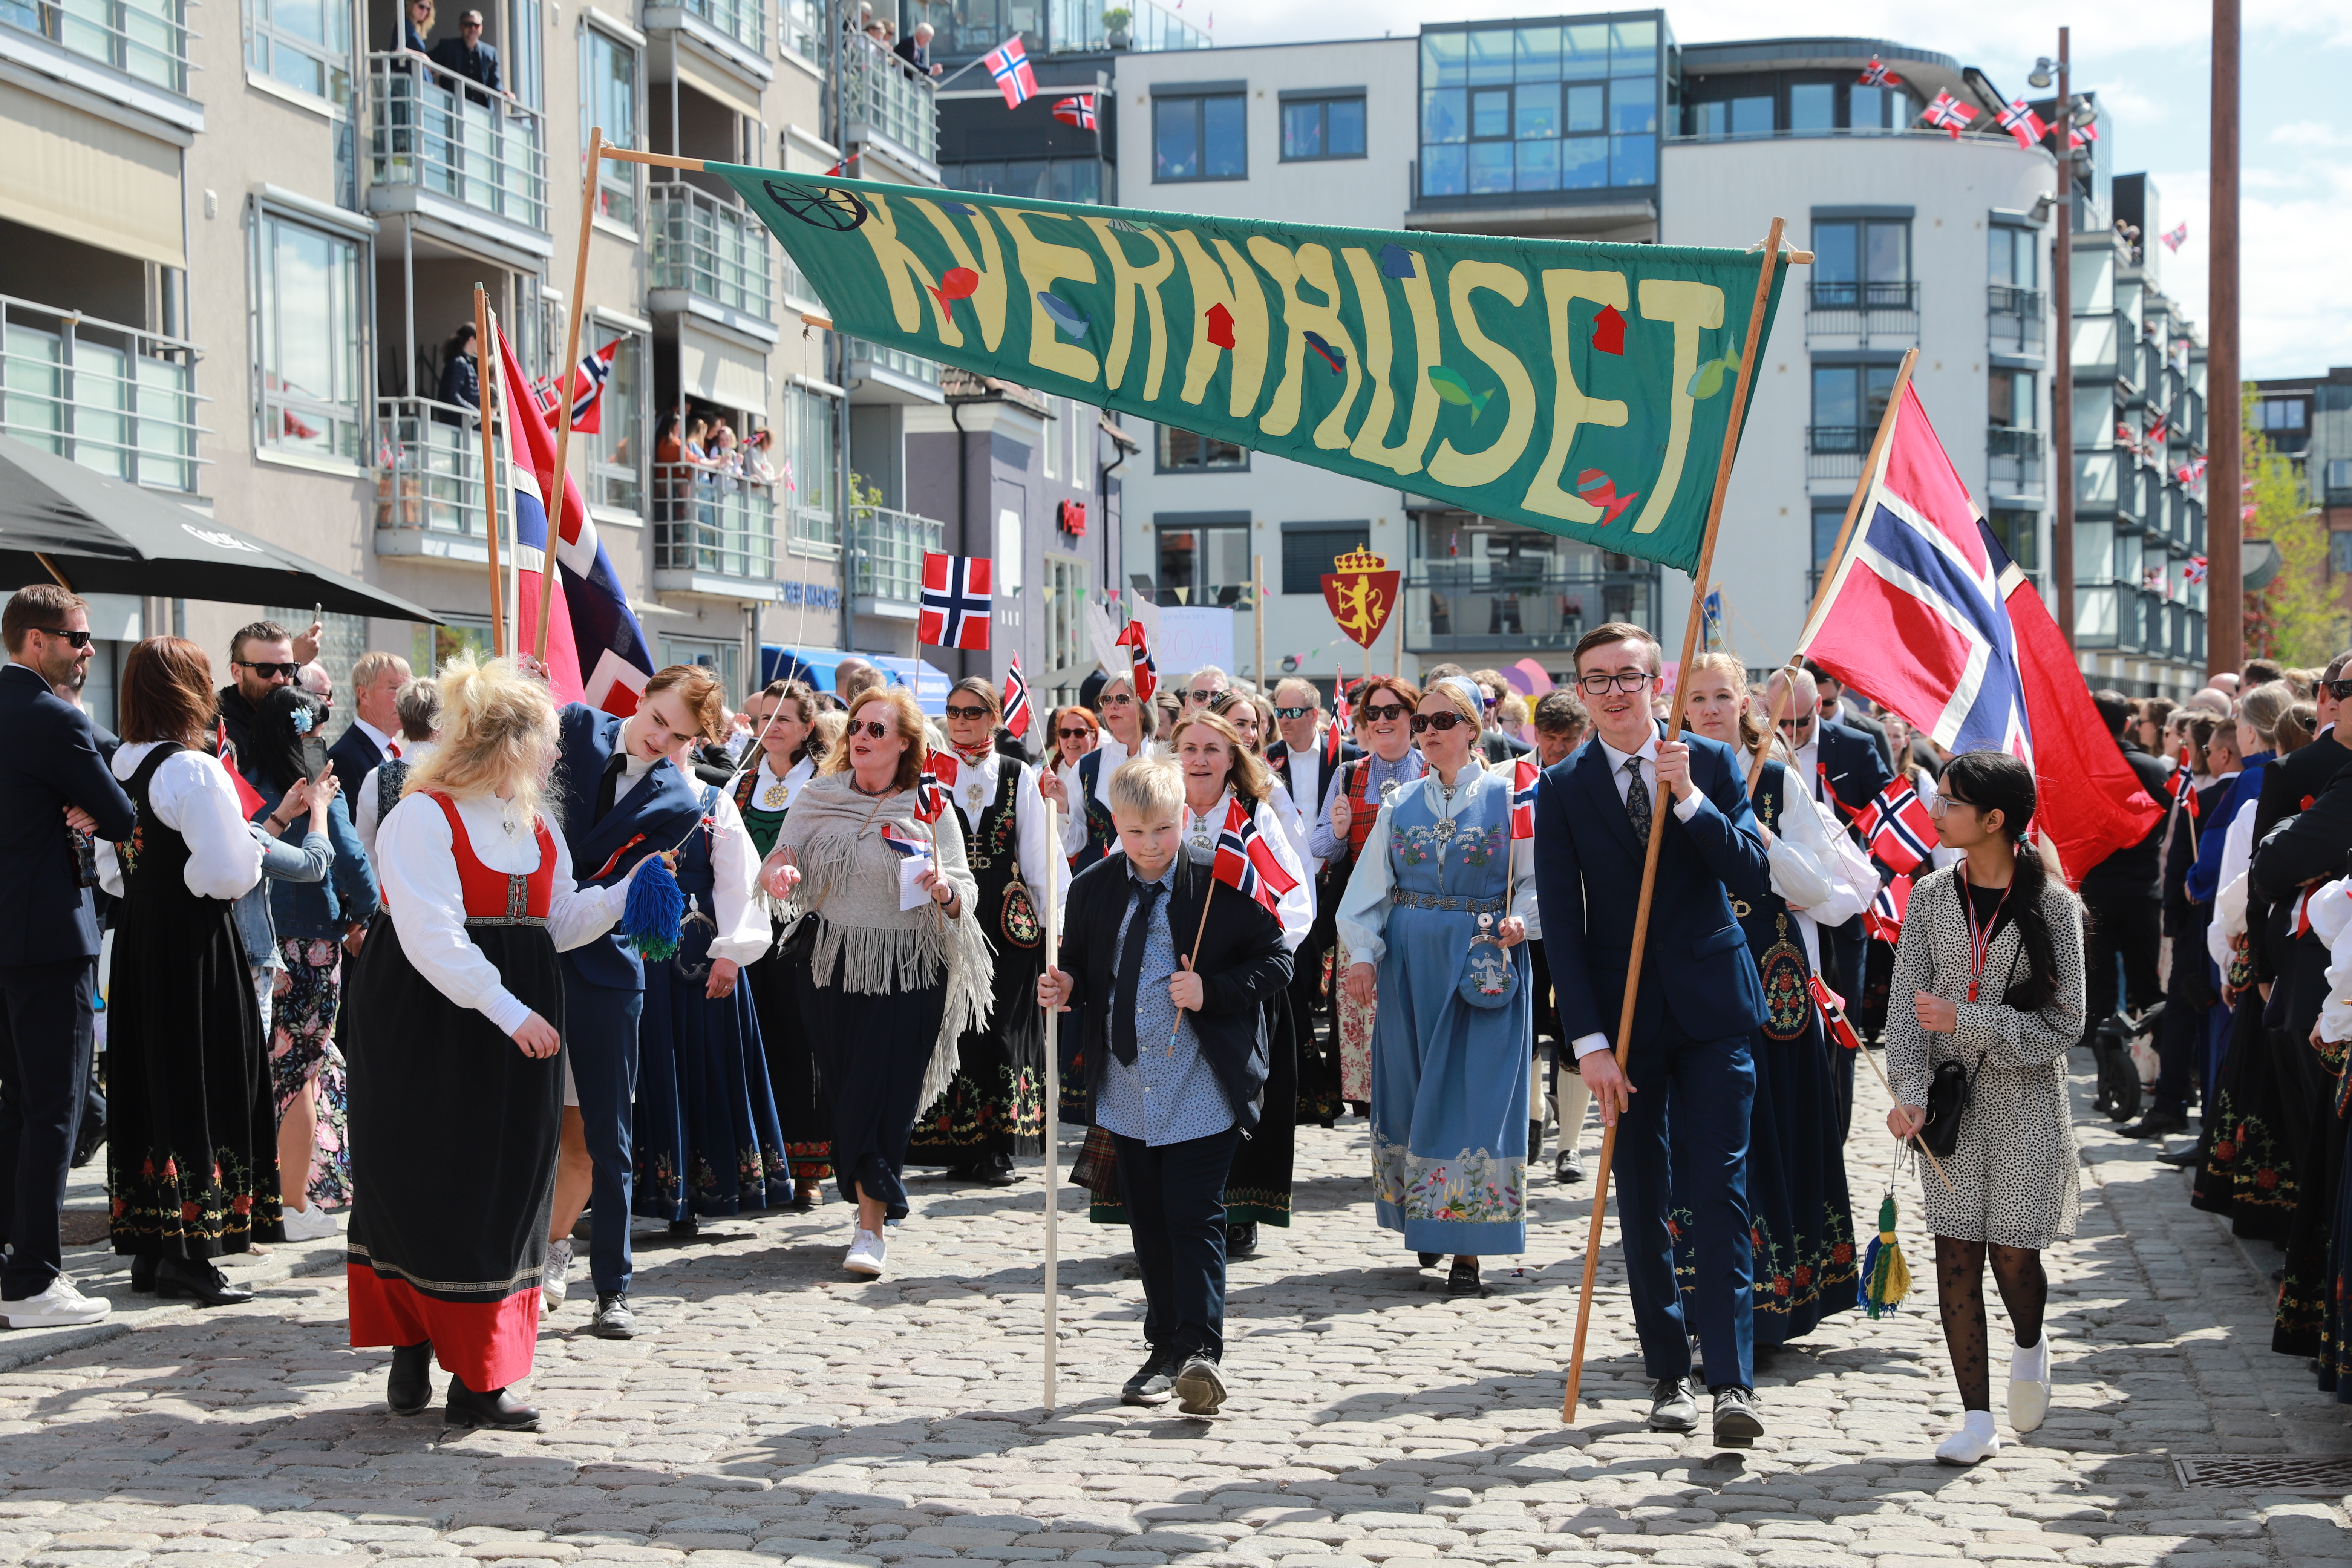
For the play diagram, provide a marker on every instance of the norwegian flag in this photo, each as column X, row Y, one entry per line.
column 956, row 602
column 2184, row 785
column 1247, row 863
column 1017, row 711
column 1897, row 826
column 2159, row 425
column 909, row 848
column 2020, row 121
column 934, row 786
column 1831, row 1007
column 587, row 391
column 1145, row 674
column 1525, row 774
column 1929, row 617
column 1875, row 74
column 1009, row 64
column 2189, row 472
column 1883, row 919
column 1078, row 111
column 1334, row 738
column 1947, row 113
column 2174, row 237
column 2195, row 570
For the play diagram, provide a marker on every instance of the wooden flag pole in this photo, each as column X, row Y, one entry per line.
column 483, row 350
column 1257, row 614
column 1052, row 1101
column 554, row 503
column 1200, row 932
column 1772, row 260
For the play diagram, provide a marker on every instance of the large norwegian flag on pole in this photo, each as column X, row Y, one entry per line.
column 611, row 656
column 1926, row 614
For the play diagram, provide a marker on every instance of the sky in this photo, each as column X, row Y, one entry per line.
column 2150, row 62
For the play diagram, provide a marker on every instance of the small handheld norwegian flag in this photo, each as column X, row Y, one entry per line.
column 587, row 391
column 1334, row 735
column 1343, row 715
column 956, row 603
column 1078, row 111
column 2184, row 785
column 1247, row 863
column 937, row 782
column 1833, row 1019
column 1898, row 828
column 1883, row 919
column 1147, row 674
column 1017, row 711
column 1525, row 774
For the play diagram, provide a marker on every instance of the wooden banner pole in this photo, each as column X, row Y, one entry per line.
column 1754, row 345
column 1053, row 1103
column 483, row 352
column 1257, row 614
column 574, row 308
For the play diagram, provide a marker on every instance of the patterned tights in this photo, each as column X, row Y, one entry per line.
column 1960, row 1289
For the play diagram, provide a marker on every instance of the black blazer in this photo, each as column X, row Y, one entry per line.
column 1855, row 764
column 2182, row 917
column 1863, row 723
column 2308, row 845
column 1241, row 963
column 1498, row 747
column 2293, row 784
column 51, row 761
column 355, row 756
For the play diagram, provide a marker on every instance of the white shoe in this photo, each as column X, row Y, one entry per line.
column 1977, row 1441
column 2030, row 1372
column 59, row 1305
column 551, row 1282
column 311, row 1224
column 865, row 1254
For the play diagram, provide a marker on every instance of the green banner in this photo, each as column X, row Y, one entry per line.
column 1582, row 389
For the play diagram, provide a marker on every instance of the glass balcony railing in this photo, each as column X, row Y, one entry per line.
column 714, row 524
column 886, row 550
column 145, row 39
column 709, row 248
column 433, row 130
column 745, row 21
column 115, row 399
column 864, row 355
column 1863, row 311
column 2013, row 319
column 1465, row 606
column 884, row 97
column 2013, row 458
column 428, row 475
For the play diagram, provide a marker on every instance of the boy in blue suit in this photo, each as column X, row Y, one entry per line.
column 1689, row 1063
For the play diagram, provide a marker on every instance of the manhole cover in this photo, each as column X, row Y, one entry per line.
column 2330, row 1474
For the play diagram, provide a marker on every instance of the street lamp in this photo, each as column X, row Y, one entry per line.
column 2041, row 73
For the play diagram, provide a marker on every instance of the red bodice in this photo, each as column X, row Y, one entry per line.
column 500, row 895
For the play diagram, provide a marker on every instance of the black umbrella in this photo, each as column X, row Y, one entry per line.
column 62, row 522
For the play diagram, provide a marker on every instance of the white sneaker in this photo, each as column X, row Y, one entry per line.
column 1977, row 1441
column 551, row 1282
column 311, row 1224
column 2030, row 1372
column 59, row 1305
column 865, row 1254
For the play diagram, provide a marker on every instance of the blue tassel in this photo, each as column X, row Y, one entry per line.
column 656, row 912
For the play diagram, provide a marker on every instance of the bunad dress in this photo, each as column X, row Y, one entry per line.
column 764, row 797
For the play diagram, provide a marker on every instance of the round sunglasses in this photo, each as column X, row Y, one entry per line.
column 1425, row 723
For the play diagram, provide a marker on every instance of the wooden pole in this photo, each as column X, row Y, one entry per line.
column 555, row 501
column 1197, row 933
column 1257, row 614
column 2225, row 394
column 1053, row 1102
column 483, row 352
column 1772, row 259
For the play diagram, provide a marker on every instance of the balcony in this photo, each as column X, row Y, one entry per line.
column 886, row 550
column 889, row 104
column 428, row 489
column 440, row 145
column 2012, row 460
column 2101, row 352
column 710, row 252
column 882, row 374
column 146, row 40
column 1862, row 312
column 1836, row 451
column 1470, row 606
column 744, row 23
column 714, row 533
column 2013, row 320
column 815, row 532
column 115, row 399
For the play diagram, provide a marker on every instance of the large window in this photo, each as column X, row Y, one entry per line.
column 1203, row 562
column 2285, row 413
column 1308, row 553
column 2013, row 258
column 2339, row 550
column 2340, row 476
column 1044, row 179
column 1550, row 107
column 1862, row 263
column 1183, row 450
column 2019, row 533
column 1200, row 138
column 615, row 452
column 1329, row 127
column 304, row 44
column 608, row 96
column 2012, row 402
column 307, row 338
column 1065, row 618
column 1828, row 519
column 1807, row 104
column 1848, row 401
column 804, row 469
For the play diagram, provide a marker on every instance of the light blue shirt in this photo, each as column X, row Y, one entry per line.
column 1170, row 1095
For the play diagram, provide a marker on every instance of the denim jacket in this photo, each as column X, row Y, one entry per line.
column 346, row 896
column 287, row 864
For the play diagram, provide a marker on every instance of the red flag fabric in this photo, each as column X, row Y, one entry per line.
column 526, row 435
column 1897, row 826
column 956, row 602
column 1146, row 673
column 1883, row 919
column 935, row 786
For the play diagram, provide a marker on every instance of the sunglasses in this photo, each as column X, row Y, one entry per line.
column 83, row 639
column 1441, row 723
column 1117, row 700
column 290, row 672
column 1599, row 685
column 1803, row 721
column 952, row 711
column 1077, row 735
column 2340, row 689
column 1203, row 696
column 1289, row 715
column 1384, row 712
column 874, row 726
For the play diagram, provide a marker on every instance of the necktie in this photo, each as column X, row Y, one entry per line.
column 1637, row 799
column 610, row 784
column 1130, row 975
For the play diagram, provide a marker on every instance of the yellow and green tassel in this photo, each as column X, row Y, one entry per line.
column 1885, row 1277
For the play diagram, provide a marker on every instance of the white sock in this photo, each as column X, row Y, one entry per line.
column 1978, row 1424
column 2031, row 1363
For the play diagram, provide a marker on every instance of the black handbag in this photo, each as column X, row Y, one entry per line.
column 1947, row 1102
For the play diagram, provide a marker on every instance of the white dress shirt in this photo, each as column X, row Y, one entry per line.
column 2331, row 920
column 1113, row 753
column 383, row 742
column 367, row 807
column 1306, row 786
column 191, row 794
column 977, row 787
column 1296, row 908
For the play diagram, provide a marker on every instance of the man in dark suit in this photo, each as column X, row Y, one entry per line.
column 915, row 49
column 1686, row 1063
column 376, row 680
column 2302, row 833
column 467, row 56
column 48, row 942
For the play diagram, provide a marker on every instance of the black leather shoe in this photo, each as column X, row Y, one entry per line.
column 198, row 1278
column 1462, row 1280
column 408, row 1386
column 1737, row 1425
column 614, row 1320
column 498, row 1409
column 1429, row 1260
column 2182, row 1159
column 1240, row 1240
column 1535, row 1139
column 2157, row 1124
column 1674, row 1406
column 142, row 1273
column 1154, row 1382
column 996, row 1170
column 685, row 1229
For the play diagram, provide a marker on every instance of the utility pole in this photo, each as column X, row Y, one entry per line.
column 2225, row 578
column 2061, row 361
column 837, row 80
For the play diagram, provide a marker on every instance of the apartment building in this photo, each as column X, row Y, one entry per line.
column 2308, row 419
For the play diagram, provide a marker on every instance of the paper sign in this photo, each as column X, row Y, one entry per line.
column 911, row 894
column 1190, row 636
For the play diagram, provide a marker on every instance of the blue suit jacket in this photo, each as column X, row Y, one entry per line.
column 1856, row 768
column 1588, row 881
column 355, row 756
column 656, row 814
column 51, row 761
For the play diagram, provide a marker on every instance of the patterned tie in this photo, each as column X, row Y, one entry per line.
column 1637, row 799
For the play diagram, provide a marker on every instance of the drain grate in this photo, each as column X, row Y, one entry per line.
column 2329, row 1474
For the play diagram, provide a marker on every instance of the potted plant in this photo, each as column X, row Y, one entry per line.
column 1116, row 22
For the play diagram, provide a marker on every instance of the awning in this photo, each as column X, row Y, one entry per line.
column 70, row 173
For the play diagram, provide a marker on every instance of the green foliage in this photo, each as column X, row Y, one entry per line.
column 2295, row 620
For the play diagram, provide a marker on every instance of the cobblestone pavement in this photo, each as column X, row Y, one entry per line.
column 777, row 1412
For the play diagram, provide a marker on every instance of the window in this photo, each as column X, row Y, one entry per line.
column 615, row 472
column 805, row 469
column 1006, row 579
column 1046, row 179
column 2012, row 400
column 2015, row 258
column 2285, row 413
column 1057, row 416
column 1812, row 107
column 307, row 337
column 608, row 96
column 1323, row 128
column 1731, row 117
column 1181, row 450
column 721, row 659
column 304, row 44
column 1877, row 108
column 1308, row 553
column 1538, row 108
column 2339, row 475
column 1203, row 138
column 1204, row 563
column 1862, row 264
column 1066, row 615
column 1848, row 401
column 2019, row 533
column 1827, row 521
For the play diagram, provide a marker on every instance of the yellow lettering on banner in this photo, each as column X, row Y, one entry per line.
column 988, row 265
column 1451, row 467
column 1570, row 407
column 1380, row 352
column 1232, row 284
column 1310, row 264
column 1690, row 307
column 1042, row 265
column 1129, row 283
column 903, row 272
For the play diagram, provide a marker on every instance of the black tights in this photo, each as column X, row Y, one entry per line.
column 1960, row 1289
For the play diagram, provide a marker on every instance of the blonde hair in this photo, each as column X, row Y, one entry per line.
column 1251, row 780
column 1142, row 786
column 1753, row 726
column 374, row 663
column 908, row 719
column 705, row 698
column 498, row 736
column 2265, row 706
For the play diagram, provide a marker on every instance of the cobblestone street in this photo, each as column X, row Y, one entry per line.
column 777, row 1412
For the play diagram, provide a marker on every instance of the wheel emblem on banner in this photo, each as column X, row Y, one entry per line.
column 819, row 207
